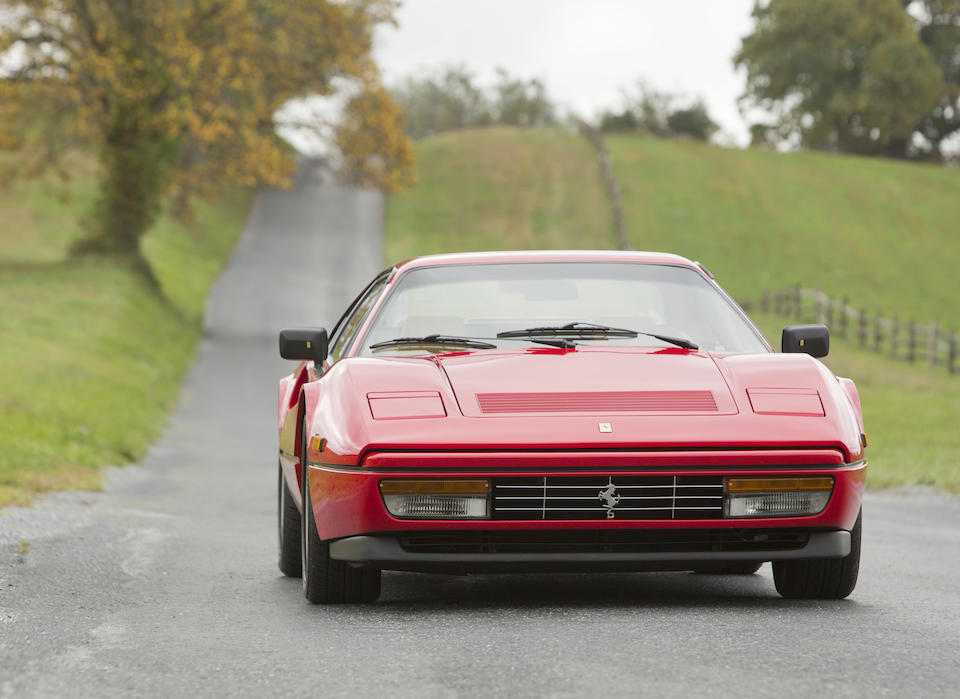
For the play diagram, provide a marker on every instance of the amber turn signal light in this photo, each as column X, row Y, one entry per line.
column 435, row 487
column 436, row 498
column 778, row 496
column 778, row 485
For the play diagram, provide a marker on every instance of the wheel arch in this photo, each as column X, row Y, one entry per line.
column 308, row 398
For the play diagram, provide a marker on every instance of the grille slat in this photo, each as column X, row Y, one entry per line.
column 591, row 509
column 619, row 487
column 587, row 497
column 623, row 498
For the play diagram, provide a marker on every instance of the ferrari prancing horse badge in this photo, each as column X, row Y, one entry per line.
column 609, row 498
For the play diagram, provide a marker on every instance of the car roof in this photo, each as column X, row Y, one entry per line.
column 466, row 258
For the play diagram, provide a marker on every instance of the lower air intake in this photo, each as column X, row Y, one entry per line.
column 604, row 541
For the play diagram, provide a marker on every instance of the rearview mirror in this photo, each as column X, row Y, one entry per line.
column 810, row 339
column 304, row 343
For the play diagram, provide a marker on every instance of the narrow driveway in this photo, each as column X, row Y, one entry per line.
column 166, row 583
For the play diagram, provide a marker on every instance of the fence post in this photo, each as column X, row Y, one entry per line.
column 912, row 341
column 830, row 303
column 765, row 302
column 895, row 336
column 877, row 333
column 818, row 306
column 934, row 344
column 863, row 327
column 844, row 319
column 952, row 351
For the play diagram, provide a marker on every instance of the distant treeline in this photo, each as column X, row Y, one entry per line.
column 659, row 113
column 869, row 77
column 451, row 99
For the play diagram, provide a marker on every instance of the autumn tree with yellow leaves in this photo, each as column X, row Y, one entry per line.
column 178, row 97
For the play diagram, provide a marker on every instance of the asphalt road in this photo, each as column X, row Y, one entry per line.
column 166, row 583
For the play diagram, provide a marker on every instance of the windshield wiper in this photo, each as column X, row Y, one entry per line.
column 678, row 341
column 434, row 340
column 561, row 342
column 570, row 330
column 592, row 330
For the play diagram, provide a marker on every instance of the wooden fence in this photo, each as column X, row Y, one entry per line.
column 596, row 139
column 895, row 337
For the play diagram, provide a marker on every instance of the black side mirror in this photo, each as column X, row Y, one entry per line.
column 811, row 339
column 304, row 343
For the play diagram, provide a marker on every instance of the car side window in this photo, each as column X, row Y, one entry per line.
column 348, row 327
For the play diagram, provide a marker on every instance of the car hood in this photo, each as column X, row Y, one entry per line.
column 593, row 397
column 622, row 381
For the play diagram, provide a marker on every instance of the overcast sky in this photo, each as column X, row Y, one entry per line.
column 585, row 51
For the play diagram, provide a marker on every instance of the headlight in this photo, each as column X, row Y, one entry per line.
column 776, row 497
column 436, row 499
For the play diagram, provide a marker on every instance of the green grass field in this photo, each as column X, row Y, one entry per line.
column 91, row 358
column 500, row 188
column 885, row 234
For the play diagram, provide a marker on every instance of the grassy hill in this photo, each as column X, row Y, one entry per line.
column 885, row 234
column 483, row 190
column 91, row 358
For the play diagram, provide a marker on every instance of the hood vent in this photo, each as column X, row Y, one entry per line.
column 598, row 402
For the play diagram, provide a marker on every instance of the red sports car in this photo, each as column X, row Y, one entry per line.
column 563, row 411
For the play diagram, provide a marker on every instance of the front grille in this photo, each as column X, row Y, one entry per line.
column 605, row 541
column 608, row 497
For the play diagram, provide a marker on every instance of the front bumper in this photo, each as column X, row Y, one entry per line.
column 584, row 550
column 347, row 501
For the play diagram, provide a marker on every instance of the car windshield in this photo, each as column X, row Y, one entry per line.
column 481, row 301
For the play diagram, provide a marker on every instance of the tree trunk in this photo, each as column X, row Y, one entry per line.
column 136, row 167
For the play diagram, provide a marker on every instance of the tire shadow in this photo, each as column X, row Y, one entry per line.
column 414, row 592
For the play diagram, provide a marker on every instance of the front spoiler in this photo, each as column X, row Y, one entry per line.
column 386, row 552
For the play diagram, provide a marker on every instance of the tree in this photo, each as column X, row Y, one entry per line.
column 849, row 75
column 519, row 102
column 450, row 99
column 938, row 26
column 611, row 122
column 660, row 114
column 445, row 101
column 177, row 97
column 693, row 121
column 650, row 107
column 376, row 151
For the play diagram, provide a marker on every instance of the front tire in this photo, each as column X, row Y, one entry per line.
column 325, row 580
column 820, row 578
column 288, row 530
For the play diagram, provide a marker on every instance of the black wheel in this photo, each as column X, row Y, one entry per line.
column 733, row 568
column 325, row 580
column 820, row 578
column 288, row 530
